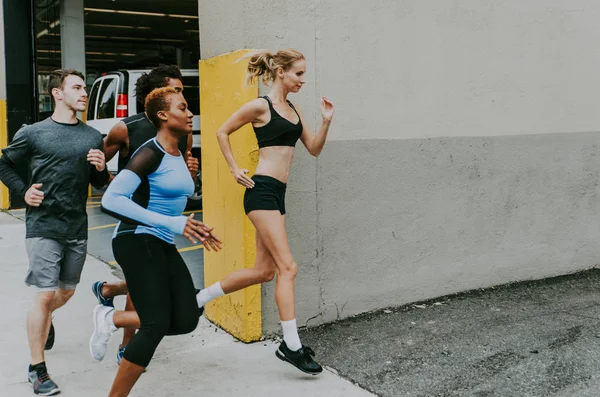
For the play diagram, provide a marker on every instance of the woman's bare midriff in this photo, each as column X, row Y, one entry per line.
column 275, row 161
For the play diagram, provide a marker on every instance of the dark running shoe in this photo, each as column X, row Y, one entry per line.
column 41, row 382
column 301, row 359
column 97, row 290
column 50, row 340
column 120, row 354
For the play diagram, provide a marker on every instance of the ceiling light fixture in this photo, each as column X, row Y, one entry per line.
column 146, row 39
column 42, row 33
column 46, row 31
column 103, row 60
column 123, row 54
column 149, row 14
column 102, row 25
column 183, row 16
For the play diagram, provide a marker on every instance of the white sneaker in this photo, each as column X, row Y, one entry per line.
column 103, row 331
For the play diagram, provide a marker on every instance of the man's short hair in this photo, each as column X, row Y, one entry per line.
column 57, row 79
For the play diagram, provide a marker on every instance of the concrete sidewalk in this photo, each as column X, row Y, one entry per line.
column 207, row 362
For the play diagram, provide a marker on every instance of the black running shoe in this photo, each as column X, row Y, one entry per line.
column 41, row 383
column 301, row 359
column 50, row 340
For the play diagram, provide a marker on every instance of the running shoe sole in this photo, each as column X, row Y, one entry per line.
column 95, row 328
column 282, row 357
column 48, row 393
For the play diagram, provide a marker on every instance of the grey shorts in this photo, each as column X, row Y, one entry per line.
column 54, row 263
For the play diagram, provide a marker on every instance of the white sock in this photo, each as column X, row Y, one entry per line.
column 208, row 294
column 110, row 319
column 290, row 335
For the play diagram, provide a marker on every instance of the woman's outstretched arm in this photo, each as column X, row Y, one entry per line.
column 248, row 113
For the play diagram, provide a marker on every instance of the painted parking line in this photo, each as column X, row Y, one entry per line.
column 93, row 206
column 192, row 248
column 192, row 212
column 186, row 249
column 103, row 226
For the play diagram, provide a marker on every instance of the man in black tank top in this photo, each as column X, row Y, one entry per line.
column 125, row 138
column 132, row 132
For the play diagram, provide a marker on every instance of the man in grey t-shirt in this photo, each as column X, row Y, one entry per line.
column 64, row 156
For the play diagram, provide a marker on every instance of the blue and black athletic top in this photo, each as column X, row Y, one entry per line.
column 150, row 194
column 139, row 131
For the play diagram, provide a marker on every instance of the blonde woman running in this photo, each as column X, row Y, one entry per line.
column 278, row 126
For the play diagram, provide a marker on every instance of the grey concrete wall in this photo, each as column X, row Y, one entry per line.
column 460, row 155
column 437, row 216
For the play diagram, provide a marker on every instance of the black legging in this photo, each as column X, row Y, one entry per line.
column 161, row 290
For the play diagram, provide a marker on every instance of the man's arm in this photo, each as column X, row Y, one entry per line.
column 192, row 163
column 190, row 143
column 99, row 178
column 99, row 175
column 116, row 141
column 18, row 151
column 9, row 176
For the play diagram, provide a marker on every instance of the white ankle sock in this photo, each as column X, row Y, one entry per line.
column 208, row 294
column 110, row 319
column 290, row 335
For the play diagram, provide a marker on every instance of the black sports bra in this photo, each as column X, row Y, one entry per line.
column 278, row 131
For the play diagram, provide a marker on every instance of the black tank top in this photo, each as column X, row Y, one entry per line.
column 140, row 130
column 278, row 131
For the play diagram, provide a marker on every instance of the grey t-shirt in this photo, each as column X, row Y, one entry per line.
column 57, row 157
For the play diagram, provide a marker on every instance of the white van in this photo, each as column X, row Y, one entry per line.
column 112, row 98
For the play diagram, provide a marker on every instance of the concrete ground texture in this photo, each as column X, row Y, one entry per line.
column 207, row 362
column 539, row 338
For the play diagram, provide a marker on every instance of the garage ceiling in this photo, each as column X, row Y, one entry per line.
column 124, row 34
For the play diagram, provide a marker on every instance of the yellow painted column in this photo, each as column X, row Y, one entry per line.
column 222, row 92
column 4, row 194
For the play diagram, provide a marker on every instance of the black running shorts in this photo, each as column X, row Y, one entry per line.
column 268, row 193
